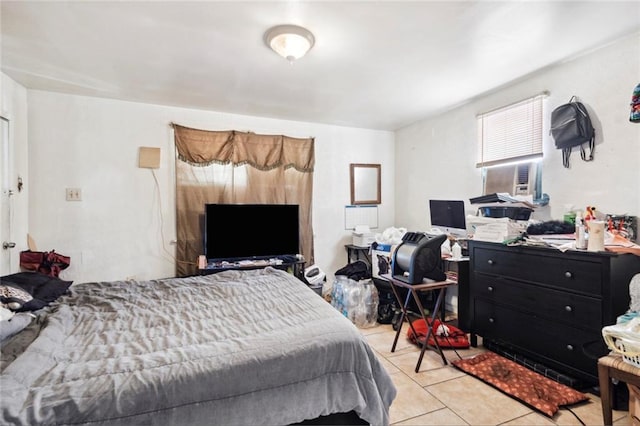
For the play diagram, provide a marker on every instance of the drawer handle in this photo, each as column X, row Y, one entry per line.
column 490, row 262
column 568, row 308
column 490, row 288
column 491, row 320
column 568, row 274
column 570, row 347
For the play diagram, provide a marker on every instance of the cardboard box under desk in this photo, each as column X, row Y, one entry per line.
column 381, row 259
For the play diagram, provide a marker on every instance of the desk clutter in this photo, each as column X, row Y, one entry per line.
column 507, row 221
column 499, row 217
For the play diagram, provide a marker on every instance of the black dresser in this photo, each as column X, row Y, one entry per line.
column 548, row 307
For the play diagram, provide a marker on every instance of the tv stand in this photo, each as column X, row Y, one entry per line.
column 295, row 267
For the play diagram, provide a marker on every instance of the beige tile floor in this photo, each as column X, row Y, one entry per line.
column 443, row 395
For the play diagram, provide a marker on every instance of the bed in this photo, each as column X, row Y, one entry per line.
column 237, row 347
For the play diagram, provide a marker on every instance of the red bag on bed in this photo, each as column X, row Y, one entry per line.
column 447, row 335
column 48, row 263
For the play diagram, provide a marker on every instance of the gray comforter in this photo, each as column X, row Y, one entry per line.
column 252, row 347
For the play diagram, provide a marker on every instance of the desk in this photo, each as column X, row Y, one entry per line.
column 414, row 289
column 614, row 367
column 459, row 268
column 357, row 252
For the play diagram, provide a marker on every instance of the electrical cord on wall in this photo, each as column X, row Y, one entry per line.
column 161, row 216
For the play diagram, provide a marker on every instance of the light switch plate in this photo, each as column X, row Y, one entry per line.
column 74, row 194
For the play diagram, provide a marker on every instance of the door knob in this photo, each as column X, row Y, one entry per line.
column 8, row 245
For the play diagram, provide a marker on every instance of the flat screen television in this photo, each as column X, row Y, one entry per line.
column 251, row 231
column 448, row 216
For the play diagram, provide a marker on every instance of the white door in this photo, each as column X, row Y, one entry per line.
column 5, row 200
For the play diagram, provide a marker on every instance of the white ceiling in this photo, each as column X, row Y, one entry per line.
column 375, row 64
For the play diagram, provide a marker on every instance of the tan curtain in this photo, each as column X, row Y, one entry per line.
column 238, row 167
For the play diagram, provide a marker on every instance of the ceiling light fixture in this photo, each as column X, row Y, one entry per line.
column 289, row 41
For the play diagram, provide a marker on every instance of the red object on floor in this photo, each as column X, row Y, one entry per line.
column 519, row 382
column 448, row 336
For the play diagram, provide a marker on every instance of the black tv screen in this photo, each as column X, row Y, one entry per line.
column 251, row 231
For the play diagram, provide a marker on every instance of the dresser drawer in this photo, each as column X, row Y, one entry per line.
column 556, row 305
column 583, row 276
column 551, row 342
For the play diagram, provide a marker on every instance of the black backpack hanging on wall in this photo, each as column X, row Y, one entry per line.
column 571, row 126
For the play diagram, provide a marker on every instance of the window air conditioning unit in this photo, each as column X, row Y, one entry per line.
column 524, row 179
column 516, row 179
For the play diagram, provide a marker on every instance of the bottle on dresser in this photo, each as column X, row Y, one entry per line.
column 456, row 251
column 581, row 237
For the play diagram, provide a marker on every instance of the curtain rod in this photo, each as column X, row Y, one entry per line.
column 173, row 126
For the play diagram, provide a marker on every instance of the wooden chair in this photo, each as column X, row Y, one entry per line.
column 614, row 367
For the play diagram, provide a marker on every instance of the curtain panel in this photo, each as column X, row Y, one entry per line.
column 229, row 167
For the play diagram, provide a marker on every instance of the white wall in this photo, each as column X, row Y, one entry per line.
column 13, row 98
column 435, row 158
column 114, row 232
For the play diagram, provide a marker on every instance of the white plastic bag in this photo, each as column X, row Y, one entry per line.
column 391, row 236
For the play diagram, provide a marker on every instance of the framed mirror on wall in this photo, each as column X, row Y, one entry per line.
column 365, row 184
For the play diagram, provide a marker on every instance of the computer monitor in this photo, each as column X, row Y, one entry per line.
column 448, row 216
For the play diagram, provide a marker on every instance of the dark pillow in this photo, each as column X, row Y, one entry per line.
column 43, row 288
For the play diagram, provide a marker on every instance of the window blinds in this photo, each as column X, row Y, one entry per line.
column 511, row 133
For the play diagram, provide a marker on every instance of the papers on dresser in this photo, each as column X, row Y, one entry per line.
column 562, row 242
column 496, row 230
column 552, row 239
